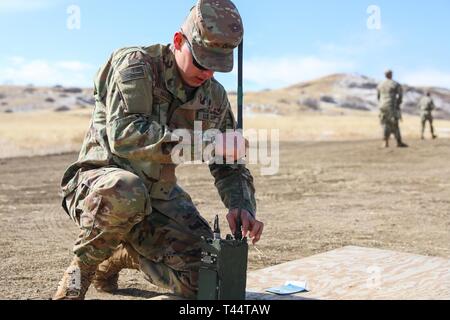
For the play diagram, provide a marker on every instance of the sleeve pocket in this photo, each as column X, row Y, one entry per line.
column 136, row 90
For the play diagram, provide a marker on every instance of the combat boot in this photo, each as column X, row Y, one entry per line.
column 432, row 132
column 385, row 144
column 402, row 145
column 107, row 273
column 75, row 281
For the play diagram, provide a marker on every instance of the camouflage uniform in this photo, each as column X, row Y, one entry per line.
column 123, row 187
column 426, row 106
column 390, row 98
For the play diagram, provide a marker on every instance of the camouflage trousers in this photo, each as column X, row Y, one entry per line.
column 424, row 119
column 390, row 126
column 112, row 205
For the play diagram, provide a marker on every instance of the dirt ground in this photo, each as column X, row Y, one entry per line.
column 326, row 195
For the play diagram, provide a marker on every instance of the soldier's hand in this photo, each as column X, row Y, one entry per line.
column 249, row 224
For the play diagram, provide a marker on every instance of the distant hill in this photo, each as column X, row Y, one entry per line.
column 30, row 98
column 339, row 94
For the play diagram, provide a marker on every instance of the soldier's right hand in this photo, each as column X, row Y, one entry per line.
column 250, row 225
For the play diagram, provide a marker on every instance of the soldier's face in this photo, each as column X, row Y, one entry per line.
column 191, row 75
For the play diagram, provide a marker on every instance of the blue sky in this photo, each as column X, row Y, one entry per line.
column 286, row 41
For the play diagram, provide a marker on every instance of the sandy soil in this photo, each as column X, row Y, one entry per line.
column 325, row 196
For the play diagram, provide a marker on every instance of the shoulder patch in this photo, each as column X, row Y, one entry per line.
column 132, row 73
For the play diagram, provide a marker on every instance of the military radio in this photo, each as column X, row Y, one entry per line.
column 223, row 269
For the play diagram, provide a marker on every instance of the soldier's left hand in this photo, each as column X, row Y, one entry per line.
column 249, row 224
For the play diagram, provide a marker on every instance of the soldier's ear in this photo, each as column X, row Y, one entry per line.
column 178, row 40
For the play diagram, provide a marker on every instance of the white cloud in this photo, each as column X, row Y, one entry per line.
column 284, row 71
column 346, row 56
column 16, row 60
column 75, row 66
column 7, row 6
column 47, row 73
column 355, row 45
column 426, row 78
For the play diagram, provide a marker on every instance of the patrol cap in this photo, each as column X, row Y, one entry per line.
column 214, row 28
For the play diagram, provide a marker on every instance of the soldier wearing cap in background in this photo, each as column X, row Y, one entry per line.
column 389, row 95
column 426, row 106
column 122, row 190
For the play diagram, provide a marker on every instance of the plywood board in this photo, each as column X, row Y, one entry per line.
column 357, row 273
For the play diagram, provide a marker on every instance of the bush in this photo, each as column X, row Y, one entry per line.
column 73, row 90
column 62, row 109
column 354, row 105
column 310, row 103
column 365, row 85
column 283, row 101
column 328, row 99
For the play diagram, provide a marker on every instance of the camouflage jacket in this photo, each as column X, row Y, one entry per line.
column 390, row 95
column 426, row 106
column 139, row 99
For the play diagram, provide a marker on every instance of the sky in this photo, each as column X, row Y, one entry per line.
column 49, row 42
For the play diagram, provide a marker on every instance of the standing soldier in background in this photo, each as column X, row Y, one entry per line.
column 122, row 190
column 390, row 98
column 426, row 106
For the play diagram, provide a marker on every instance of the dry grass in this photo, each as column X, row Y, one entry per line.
column 316, row 127
column 48, row 132
column 43, row 132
